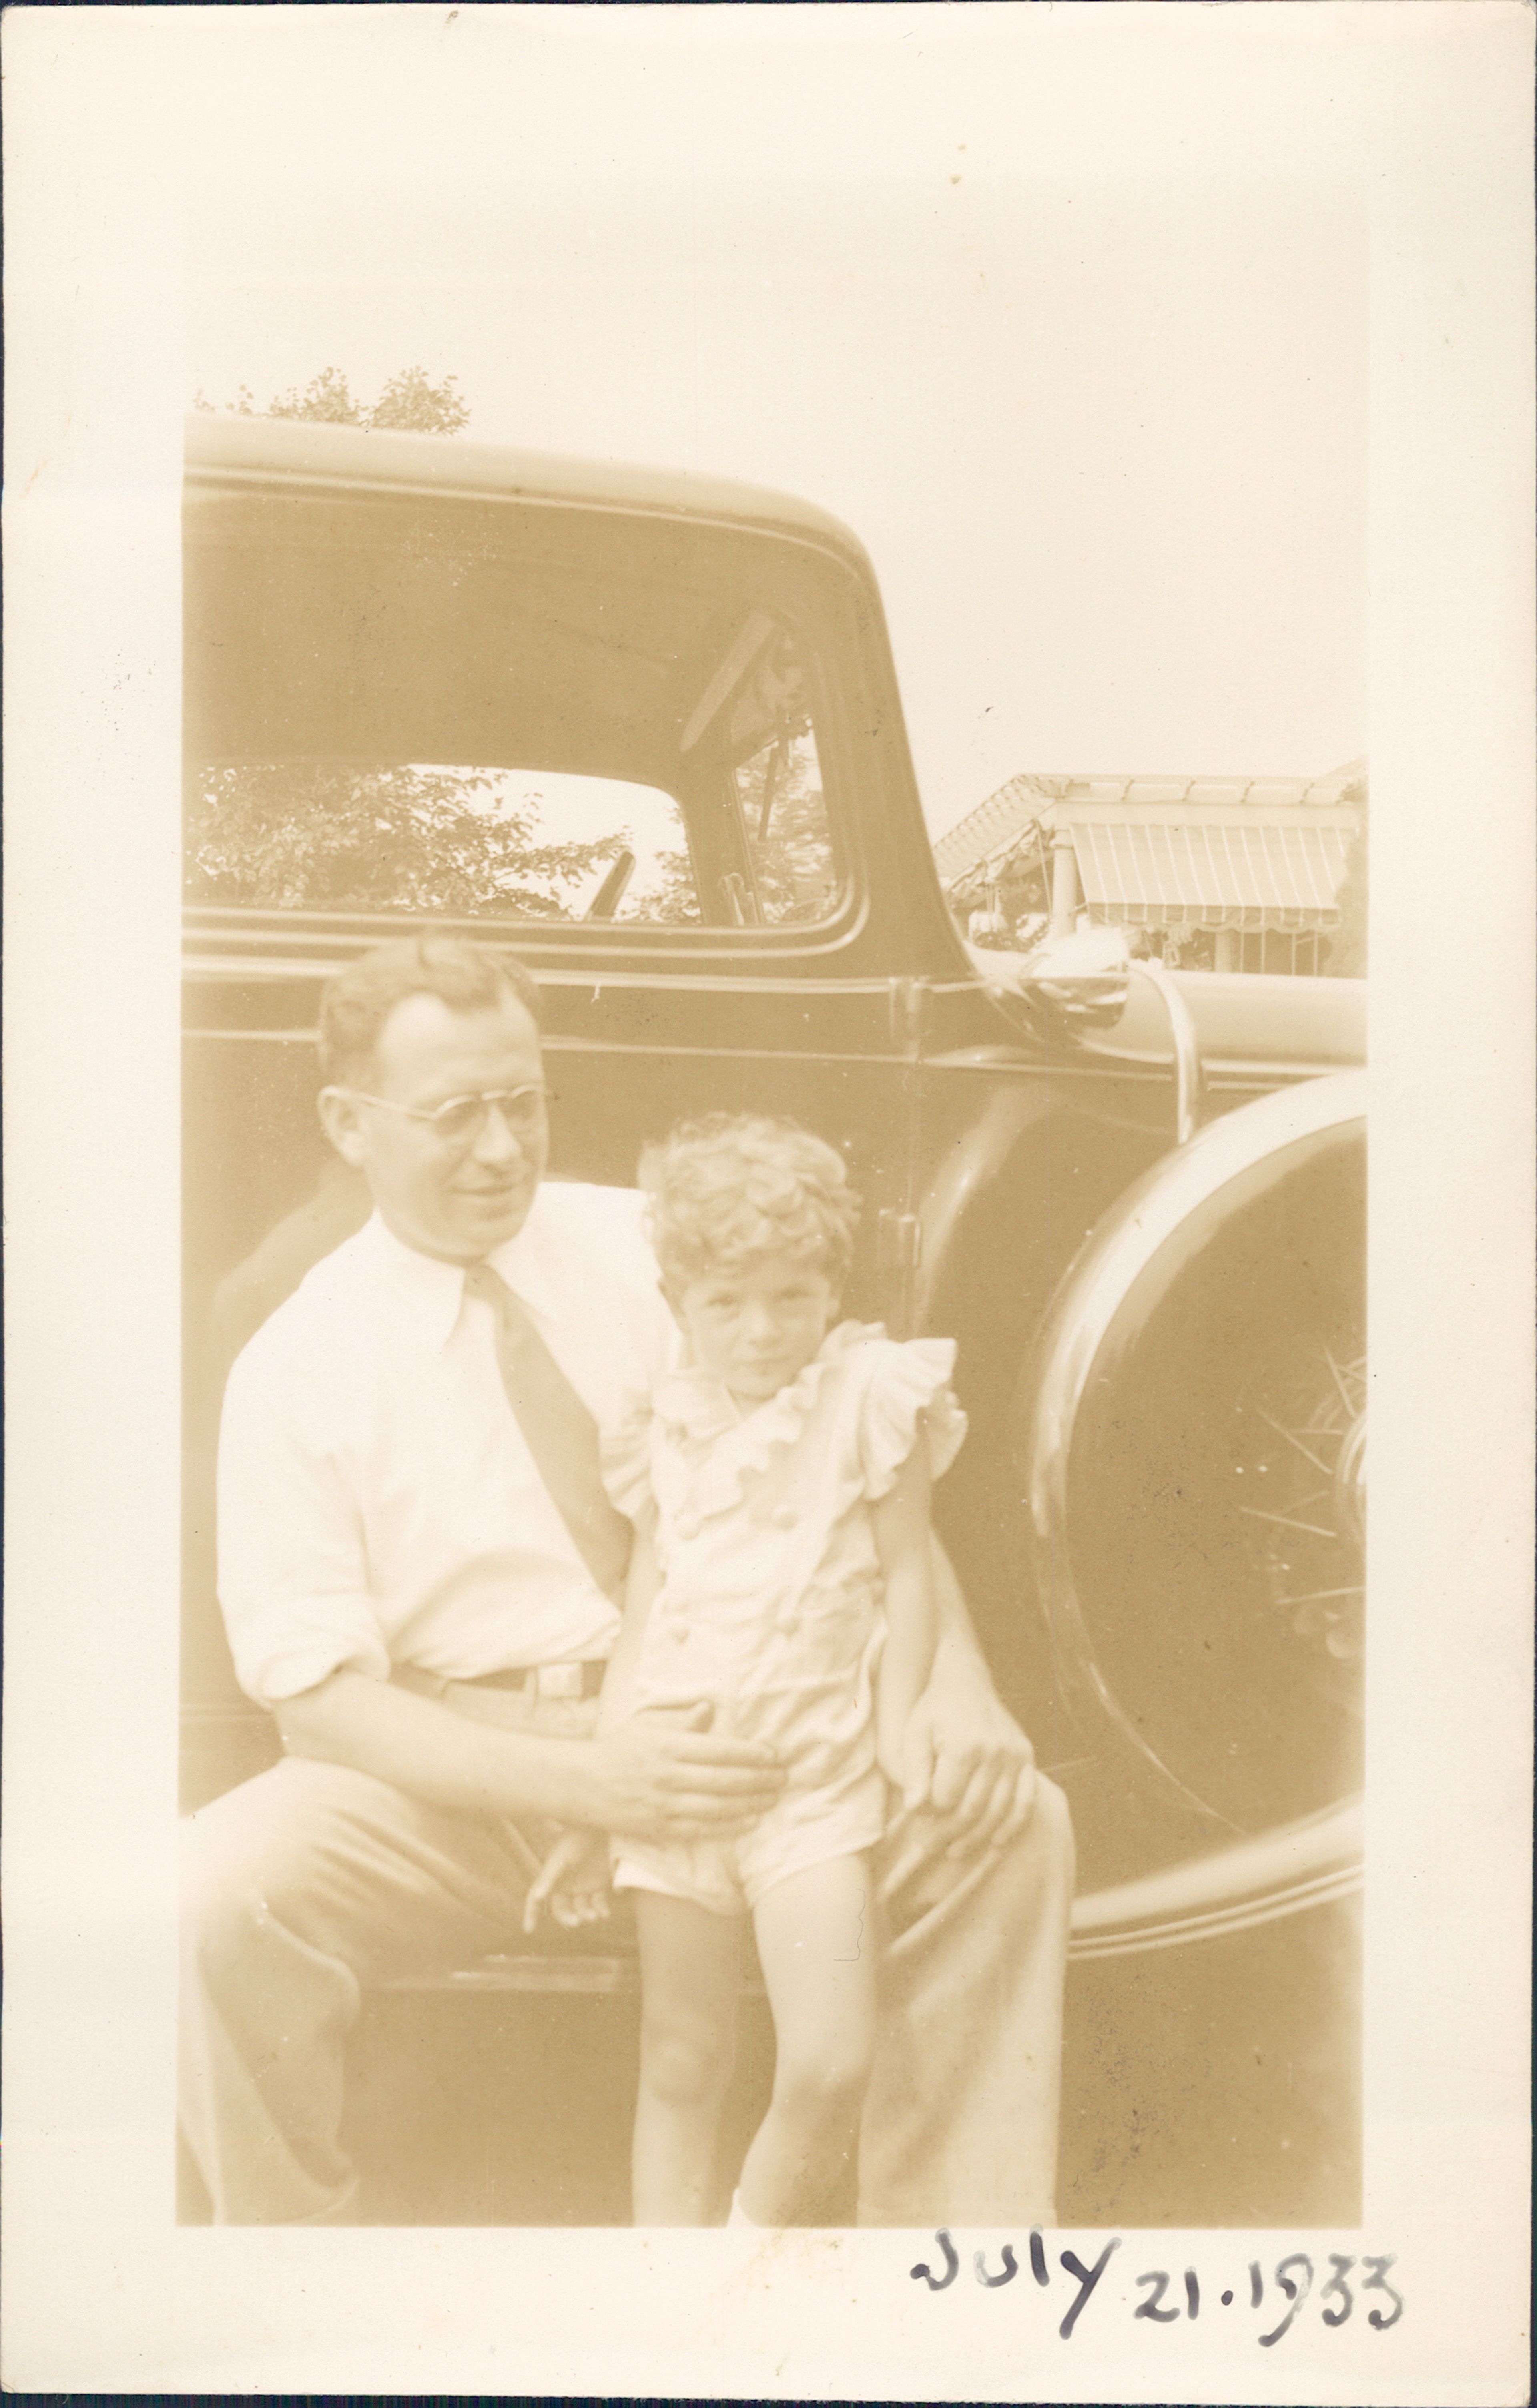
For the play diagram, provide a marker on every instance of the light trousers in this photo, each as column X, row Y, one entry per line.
column 306, row 1885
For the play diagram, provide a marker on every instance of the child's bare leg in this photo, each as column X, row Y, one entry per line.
column 689, row 1961
column 816, row 1939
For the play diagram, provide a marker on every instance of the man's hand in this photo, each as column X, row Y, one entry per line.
column 660, row 1777
column 968, row 1773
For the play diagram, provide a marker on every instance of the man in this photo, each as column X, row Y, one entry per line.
column 418, row 1571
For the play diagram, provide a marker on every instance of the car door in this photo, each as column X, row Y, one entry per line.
column 645, row 737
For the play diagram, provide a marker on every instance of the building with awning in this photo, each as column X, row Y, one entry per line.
column 1226, row 873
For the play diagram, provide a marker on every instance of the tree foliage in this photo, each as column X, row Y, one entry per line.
column 328, row 836
column 672, row 895
column 778, row 791
column 786, row 823
column 409, row 403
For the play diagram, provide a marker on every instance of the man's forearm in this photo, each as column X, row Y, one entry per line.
column 651, row 1779
column 432, row 1753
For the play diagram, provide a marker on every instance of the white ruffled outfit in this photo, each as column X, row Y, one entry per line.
column 770, row 1598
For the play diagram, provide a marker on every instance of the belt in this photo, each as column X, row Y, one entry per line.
column 569, row 1680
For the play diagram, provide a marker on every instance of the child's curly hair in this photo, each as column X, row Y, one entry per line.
column 733, row 1187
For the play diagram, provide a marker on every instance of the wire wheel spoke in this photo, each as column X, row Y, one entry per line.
column 1292, row 1439
column 1314, row 1529
column 1314, row 1595
column 1309, row 1393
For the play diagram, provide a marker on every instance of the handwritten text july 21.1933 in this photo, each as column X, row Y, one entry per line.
column 1168, row 2300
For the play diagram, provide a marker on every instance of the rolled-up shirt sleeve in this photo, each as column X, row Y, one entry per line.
column 293, row 1565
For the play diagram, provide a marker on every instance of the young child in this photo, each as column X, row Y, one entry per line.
column 780, row 1490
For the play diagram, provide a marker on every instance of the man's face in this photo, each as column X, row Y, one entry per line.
column 455, row 1197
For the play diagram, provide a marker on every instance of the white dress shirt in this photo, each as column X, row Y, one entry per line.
column 377, row 1502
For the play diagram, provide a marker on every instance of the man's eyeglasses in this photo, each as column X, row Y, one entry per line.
column 462, row 1118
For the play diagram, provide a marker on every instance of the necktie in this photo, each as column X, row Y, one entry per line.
column 560, row 1432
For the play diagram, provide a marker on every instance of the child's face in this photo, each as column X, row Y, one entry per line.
column 754, row 1328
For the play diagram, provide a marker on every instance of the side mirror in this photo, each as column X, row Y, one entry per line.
column 1078, row 980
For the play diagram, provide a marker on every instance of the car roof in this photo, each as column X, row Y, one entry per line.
column 230, row 444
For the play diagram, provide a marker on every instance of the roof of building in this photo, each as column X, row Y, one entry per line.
column 991, row 831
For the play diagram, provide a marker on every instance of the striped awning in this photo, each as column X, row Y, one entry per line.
column 1234, row 874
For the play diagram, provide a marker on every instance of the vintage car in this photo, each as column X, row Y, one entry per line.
column 644, row 730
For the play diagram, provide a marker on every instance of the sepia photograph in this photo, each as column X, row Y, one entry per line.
column 780, row 669
column 1002, row 1243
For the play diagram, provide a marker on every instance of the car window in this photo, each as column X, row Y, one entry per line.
column 793, row 876
column 465, row 840
column 575, row 720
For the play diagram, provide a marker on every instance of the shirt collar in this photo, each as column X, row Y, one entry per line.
column 430, row 1292
column 433, row 1292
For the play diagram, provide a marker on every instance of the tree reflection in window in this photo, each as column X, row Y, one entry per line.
column 322, row 836
column 785, row 821
column 721, row 822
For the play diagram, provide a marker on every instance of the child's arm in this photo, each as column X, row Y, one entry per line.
column 640, row 1587
column 902, row 1539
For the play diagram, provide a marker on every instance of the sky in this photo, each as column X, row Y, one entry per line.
column 1082, row 361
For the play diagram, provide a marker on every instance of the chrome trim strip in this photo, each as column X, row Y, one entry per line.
column 1189, row 1086
column 1218, row 1070
column 1346, row 1882
column 275, row 939
column 575, row 1045
column 240, row 967
column 554, row 1043
column 1280, row 1872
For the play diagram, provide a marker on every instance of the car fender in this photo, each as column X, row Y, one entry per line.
column 1156, row 1233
